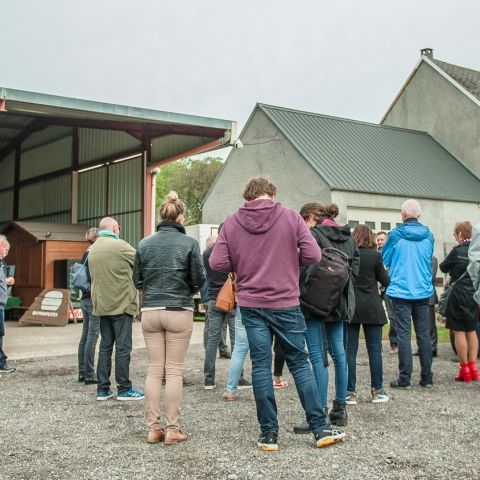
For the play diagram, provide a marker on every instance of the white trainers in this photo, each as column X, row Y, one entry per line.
column 379, row 396
column 351, row 398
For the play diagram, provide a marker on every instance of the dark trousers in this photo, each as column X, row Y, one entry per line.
column 3, row 357
column 115, row 330
column 405, row 311
column 278, row 359
column 216, row 319
column 88, row 341
column 392, row 333
column 373, row 339
column 289, row 326
column 433, row 327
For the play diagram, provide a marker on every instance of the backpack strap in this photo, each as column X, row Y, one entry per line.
column 321, row 238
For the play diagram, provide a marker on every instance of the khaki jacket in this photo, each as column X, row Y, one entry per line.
column 110, row 262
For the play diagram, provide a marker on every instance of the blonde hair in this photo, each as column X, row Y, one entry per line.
column 91, row 234
column 172, row 207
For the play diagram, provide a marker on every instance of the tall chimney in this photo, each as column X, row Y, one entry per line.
column 426, row 52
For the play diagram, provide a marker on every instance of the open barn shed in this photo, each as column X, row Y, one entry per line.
column 69, row 161
column 40, row 252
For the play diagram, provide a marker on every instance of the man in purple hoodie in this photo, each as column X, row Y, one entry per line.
column 265, row 243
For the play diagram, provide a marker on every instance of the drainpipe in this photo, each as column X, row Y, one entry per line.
column 154, row 172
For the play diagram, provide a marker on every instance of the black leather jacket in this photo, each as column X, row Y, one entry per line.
column 168, row 267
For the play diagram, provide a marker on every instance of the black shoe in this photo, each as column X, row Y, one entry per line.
column 188, row 381
column 243, row 384
column 81, row 379
column 302, row 428
column 268, row 442
column 338, row 414
column 224, row 354
column 434, row 354
column 328, row 437
column 7, row 369
column 399, row 386
column 426, row 384
column 90, row 381
column 209, row 385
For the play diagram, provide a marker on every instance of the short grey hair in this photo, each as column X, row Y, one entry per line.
column 411, row 208
column 107, row 223
column 211, row 241
column 4, row 241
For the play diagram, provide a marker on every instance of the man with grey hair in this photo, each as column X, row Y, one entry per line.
column 5, row 282
column 115, row 301
column 408, row 253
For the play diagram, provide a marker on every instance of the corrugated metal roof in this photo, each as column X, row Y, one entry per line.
column 50, row 231
column 466, row 77
column 364, row 157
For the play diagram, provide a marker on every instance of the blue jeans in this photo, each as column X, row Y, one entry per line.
column 404, row 311
column 336, row 348
column 88, row 341
column 373, row 339
column 239, row 353
column 288, row 325
column 3, row 357
column 216, row 320
column 115, row 330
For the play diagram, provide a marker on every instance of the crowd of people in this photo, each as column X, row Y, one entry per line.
column 274, row 254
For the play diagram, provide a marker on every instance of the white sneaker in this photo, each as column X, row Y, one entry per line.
column 351, row 398
column 379, row 396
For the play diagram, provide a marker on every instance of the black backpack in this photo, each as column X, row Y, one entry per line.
column 324, row 282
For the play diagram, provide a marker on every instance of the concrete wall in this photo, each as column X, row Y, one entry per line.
column 431, row 103
column 439, row 215
column 267, row 153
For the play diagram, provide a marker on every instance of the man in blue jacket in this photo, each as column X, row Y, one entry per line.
column 408, row 253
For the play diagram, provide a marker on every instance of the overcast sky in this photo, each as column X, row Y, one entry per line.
column 218, row 58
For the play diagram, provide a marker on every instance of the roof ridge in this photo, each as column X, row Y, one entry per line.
column 340, row 119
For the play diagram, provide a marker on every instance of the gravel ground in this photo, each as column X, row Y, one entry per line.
column 51, row 427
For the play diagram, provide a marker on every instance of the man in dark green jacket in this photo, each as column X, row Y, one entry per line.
column 115, row 301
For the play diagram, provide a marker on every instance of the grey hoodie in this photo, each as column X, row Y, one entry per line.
column 474, row 258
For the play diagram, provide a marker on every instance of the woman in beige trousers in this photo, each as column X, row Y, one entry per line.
column 168, row 269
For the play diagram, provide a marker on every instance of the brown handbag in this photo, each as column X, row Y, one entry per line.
column 226, row 296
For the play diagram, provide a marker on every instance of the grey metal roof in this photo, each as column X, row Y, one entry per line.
column 467, row 78
column 24, row 108
column 364, row 157
column 49, row 231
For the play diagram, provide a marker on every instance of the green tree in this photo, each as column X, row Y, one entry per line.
column 191, row 179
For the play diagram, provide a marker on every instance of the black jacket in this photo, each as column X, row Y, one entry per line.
column 461, row 308
column 368, row 304
column 340, row 237
column 168, row 267
column 215, row 279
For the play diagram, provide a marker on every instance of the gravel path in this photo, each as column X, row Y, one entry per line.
column 51, row 427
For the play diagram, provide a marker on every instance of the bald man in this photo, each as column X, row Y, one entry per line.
column 115, row 301
column 408, row 254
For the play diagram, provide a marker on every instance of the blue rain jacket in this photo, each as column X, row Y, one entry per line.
column 407, row 253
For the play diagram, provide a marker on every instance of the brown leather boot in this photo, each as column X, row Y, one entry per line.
column 175, row 435
column 155, row 435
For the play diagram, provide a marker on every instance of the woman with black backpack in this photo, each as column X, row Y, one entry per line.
column 326, row 332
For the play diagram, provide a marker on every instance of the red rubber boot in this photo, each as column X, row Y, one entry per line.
column 464, row 375
column 473, row 370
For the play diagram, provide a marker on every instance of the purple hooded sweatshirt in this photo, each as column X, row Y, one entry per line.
column 264, row 243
